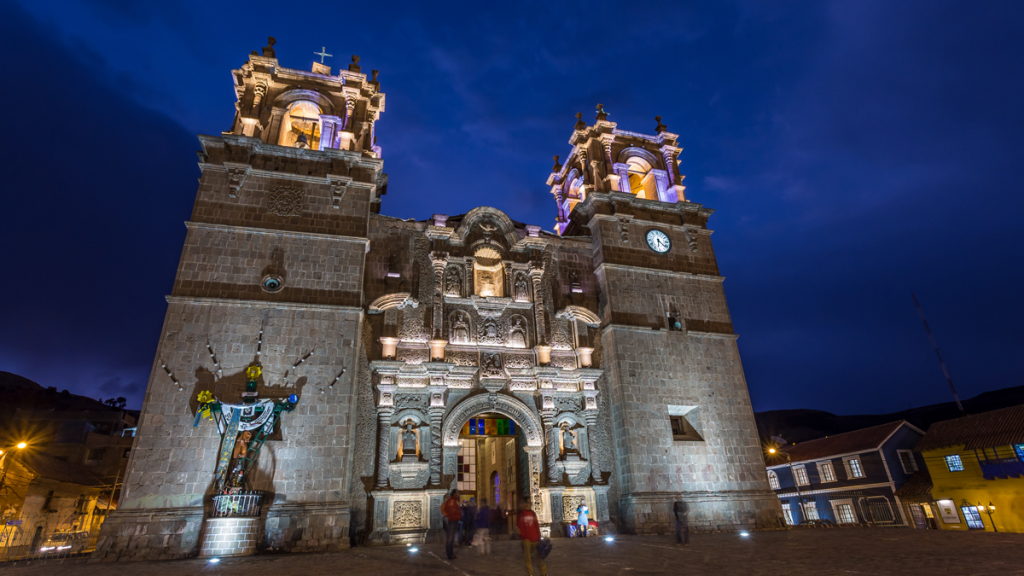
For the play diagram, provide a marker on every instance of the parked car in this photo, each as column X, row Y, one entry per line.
column 64, row 543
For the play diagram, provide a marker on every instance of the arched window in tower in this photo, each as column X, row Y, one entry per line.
column 300, row 127
column 641, row 180
column 488, row 272
column 573, row 192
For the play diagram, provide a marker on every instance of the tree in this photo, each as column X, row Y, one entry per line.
column 119, row 402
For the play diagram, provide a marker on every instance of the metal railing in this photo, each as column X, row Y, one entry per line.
column 241, row 504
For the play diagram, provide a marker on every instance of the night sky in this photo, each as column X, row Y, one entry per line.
column 853, row 152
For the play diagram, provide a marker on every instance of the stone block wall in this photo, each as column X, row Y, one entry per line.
column 225, row 537
column 152, row 534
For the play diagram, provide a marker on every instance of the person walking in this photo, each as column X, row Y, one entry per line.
column 529, row 531
column 682, row 511
column 483, row 527
column 581, row 520
column 468, row 520
column 452, row 512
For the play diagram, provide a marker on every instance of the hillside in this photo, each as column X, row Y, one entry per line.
column 803, row 425
column 18, row 392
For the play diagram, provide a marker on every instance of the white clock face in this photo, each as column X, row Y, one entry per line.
column 658, row 241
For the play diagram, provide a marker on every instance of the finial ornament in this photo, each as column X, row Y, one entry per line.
column 601, row 114
column 354, row 66
column 268, row 50
column 373, row 79
column 580, row 124
column 557, row 167
column 661, row 127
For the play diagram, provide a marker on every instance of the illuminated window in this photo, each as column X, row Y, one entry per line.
column 811, row 510
column 907, row 461
column 853, row 468
column 954, row 464
column 972, row 516
column 1019, row 449
column 300, row 127
column 773, row 480
column 826, row 471
column 800, row 474
column 844, row 511
column 787, row 513
column 467, row 465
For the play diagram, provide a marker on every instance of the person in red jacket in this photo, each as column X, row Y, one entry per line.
column 529, row 530
column 452, row 511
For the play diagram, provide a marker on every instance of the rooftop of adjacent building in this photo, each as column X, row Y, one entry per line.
column 864, row 440
column 977, row 431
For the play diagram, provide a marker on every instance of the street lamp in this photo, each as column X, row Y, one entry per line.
column 799, row 498
column 989, row 510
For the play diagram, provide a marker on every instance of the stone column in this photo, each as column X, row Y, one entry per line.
column 548, row 418
column 534, row 458
column 273, row 131
column 622, row 170
column 383, row 446
column 439, row 260
column 670, row 167
column 436, row 417
column 470, row 276
column 536, row 274
column 328, row 130
column 595, row 463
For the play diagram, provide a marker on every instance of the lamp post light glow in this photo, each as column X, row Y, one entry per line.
column 989, row 510
column 22, row 445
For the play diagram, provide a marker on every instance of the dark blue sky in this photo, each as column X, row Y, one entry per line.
column 853, row 152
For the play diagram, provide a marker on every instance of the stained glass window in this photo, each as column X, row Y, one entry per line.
column 489, row 427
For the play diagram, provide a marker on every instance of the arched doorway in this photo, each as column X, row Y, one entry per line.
column 495, row 407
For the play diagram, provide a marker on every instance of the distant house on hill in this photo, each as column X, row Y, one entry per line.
column 976, row 465
column 848, row 478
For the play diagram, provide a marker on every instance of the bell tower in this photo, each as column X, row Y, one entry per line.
column 271, row 277
column 681, row 415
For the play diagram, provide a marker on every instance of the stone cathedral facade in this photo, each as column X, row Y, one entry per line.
column 604, row 349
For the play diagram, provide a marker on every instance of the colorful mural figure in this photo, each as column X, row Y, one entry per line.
column 244, row 428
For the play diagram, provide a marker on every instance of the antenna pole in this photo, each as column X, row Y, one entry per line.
column 938, row 354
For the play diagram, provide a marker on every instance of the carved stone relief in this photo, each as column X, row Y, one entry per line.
column 517, row 332
column 459, row 328
column 462, row 358
column 565, row 362
column 519, row 361
column 491, row 332
column 407, row 514
column 569, row 506
column 521, row 289
column 413, row 355
column 283, row 201
column 453, row 282
column 492, row 365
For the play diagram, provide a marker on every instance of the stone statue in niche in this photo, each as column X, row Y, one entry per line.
column 491, row 332
column 517, row 333
column 460, row 329
column 521, row 290
column 568, row 440
column 453, row 283
column 410, row 442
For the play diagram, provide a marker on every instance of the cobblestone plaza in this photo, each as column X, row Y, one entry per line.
column 793, row 553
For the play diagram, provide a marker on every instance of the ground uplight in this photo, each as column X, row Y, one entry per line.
column 214, row 560
column 414, row 550
column 744, row 534
column 609, row 539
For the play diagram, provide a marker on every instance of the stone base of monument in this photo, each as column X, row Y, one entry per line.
column 224, row 537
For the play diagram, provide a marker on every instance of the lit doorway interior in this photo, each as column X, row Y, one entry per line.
column 490, row 453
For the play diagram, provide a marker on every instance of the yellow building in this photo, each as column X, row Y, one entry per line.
column 977, row 469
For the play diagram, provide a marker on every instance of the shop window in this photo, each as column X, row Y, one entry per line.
column 954, row 464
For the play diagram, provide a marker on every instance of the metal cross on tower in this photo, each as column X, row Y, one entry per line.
column 323, row 54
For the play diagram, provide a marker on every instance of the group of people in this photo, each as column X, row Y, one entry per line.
column 473, row 524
